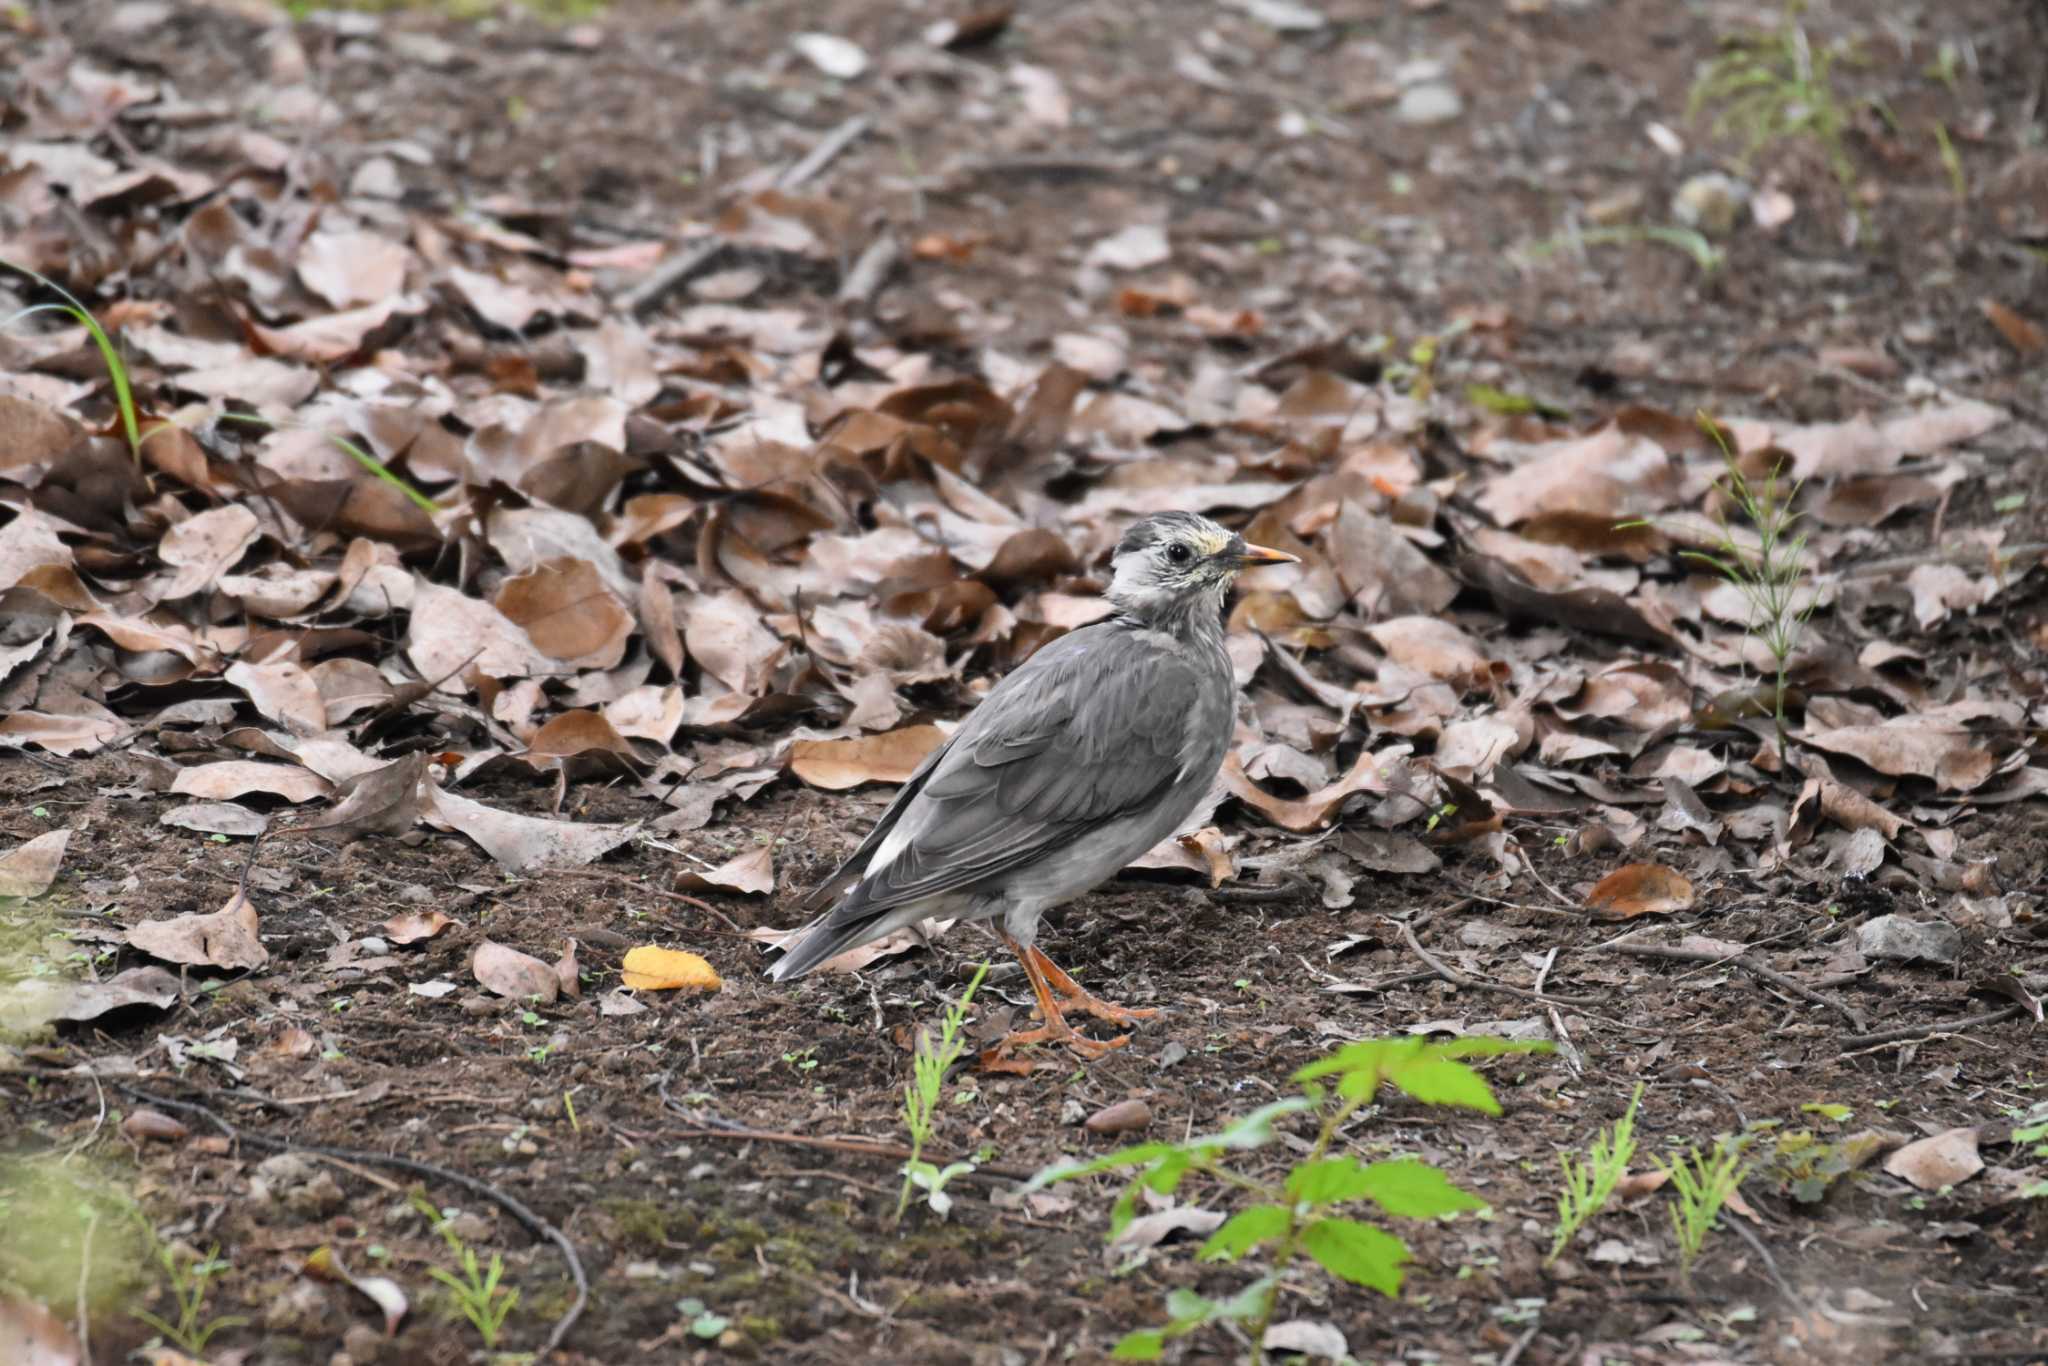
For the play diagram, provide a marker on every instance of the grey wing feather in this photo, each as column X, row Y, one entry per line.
column 826, row 892
column 1093, row 727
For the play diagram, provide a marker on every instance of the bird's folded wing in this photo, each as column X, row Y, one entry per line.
column 1097, row 732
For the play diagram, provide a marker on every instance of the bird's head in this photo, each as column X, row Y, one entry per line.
column 1176, row 567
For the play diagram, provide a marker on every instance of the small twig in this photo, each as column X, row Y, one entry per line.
column 84, row 1279
column 669, row 274
column 872, row 270
column 1912, row 1033
column 1748, row 965
column 534, row 1224
column 1521, row 1344
column 1770, row 1263
column 1459, row 979
column 825, row 153
column 1564, row 1037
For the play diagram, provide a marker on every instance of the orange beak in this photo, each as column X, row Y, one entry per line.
column 1258, row 554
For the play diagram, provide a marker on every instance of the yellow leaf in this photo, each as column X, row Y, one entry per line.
column 652, row 969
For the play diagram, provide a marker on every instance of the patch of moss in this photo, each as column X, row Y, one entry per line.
column 56, row 1214
column 642, row 1224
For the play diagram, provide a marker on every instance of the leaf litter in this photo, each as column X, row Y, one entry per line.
column 690, row 556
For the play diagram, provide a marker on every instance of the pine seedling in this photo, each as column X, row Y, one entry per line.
column 1703, row 1185
column 477, row 1291
column 1589, row 1183
column 928, row 1067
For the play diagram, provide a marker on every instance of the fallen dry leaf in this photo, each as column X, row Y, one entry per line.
column 2023, row 336
column 27, row 870
column 227, row 938
column 887, row 758
column 1946, row 1159
column 1640, row 889
column 508, row 972
column 1303, row 814
column 648, row 968
column 144, row 986
column 410, row 927
column 1912, row 747
column 523, row 844
column 752, row 872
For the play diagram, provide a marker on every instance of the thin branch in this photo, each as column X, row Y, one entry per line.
column 1913, row 1033
column 1748, row 965
column 1456, row 978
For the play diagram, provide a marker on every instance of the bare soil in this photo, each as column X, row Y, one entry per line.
column 793, row 1243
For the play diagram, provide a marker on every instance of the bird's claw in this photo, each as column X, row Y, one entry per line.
column 1000, row 1058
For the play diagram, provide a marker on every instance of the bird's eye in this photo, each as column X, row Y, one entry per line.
column 1178, row 553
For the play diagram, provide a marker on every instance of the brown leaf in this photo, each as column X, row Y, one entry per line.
column 1640, row 889
column 1123, row 1117
column 573, row 733
column 725, row 636
column 2023, row 336
column 31, row 1335
column 410, row 927
column 1434, row 647
column 523, row 844
column 892, row 757
column 1635, row 1185
column 508, row 972
column 1911, row 746
column 1382, row 570
column 144, row 986
column 1946, row 1159
column 28, row 869
column 1304, row 813
column 568, row 613
column 227, row 938
column 145, row 1123
column 752, row 872
column 1201, row 852
column 384, row 801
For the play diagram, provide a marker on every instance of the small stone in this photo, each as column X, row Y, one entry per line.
column 363, row 1343
column 1710, row 202
column 1123, row 1117
column 1901, row 940
column 300, row 1311
column 295, row 1185
column 1429, row 103
column 1072, row 1111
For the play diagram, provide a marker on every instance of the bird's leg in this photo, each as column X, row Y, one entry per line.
column 1078, row 996
column 1054, row 1030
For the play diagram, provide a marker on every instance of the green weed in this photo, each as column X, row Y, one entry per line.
column 1703, row 1185
column 929, row 1064
column 1293, row 1214
column 477, row 1291
column 189, row 1277
column 1589, row 1183
column 117, row 369
column 1775, row 87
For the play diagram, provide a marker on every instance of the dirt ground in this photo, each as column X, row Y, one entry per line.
column 618, row 1130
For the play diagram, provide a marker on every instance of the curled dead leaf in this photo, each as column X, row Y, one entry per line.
column 227, row 938
column 1640, row 889
column 891, row 757
column 29, row 869
column 508, row 972
column 752, row 872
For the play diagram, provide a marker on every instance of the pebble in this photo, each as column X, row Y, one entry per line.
column 1711, row 202
column 1429, row 103
column 297, row 1186
column 1901, row 940
column 1123, row 1117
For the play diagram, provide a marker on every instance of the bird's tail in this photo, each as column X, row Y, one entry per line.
column 831, row 933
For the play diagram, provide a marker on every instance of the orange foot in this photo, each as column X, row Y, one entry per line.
column 1078, row 997
column 1045, row 980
